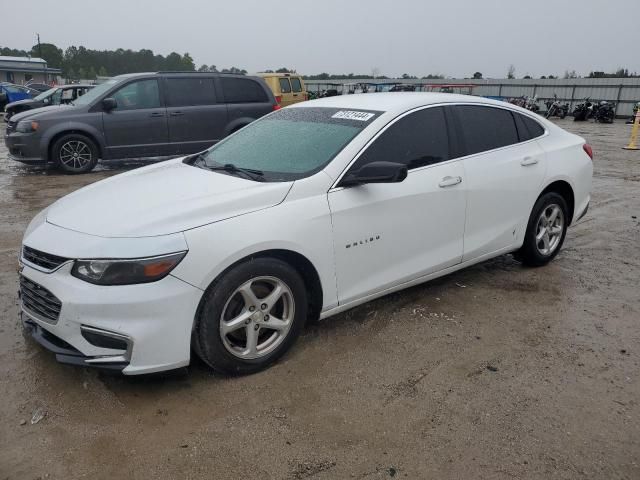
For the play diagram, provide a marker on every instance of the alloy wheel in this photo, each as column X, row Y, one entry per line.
column 257, row 317
column 549, row 229
column 75, row 154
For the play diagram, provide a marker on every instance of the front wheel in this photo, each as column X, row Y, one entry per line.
column 250, row 317
column 75, row 153
column 546, row 230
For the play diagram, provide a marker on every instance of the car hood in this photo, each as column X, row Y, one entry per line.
column 44, row 112
column 26, row 101
column 161, row 199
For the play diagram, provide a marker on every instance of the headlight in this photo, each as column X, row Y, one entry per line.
column 126, row 271
column 27, row 126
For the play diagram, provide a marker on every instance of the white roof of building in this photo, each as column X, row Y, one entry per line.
column 21, row 59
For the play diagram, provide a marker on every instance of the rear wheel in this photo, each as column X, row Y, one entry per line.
column 251, row 316
column 75, row 153
column 546, row 230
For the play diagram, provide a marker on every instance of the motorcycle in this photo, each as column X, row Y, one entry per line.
column 555, row 108
column 583, row 111
column 605, row 113
column 531, row 103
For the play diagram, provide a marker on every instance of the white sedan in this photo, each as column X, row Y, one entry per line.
column 307, row 212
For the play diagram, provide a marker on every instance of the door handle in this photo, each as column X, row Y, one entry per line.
column 526, row 161
column 157, row 114
column 449, row 181
column 176, row 114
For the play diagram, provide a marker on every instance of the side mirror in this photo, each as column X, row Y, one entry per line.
column 109, row 104
column 376, row 172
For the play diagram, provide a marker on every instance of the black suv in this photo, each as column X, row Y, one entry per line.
column 139, row 115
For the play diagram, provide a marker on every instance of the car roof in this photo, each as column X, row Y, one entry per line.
column 395, row 102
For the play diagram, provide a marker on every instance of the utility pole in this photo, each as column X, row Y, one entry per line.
column 44, row 68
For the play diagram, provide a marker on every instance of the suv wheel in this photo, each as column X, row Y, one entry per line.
column 546, row 230
column 251, row 316
column 75, row 153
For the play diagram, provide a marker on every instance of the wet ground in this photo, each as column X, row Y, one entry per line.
column 495, row 372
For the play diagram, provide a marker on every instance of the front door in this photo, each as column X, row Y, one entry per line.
column 197, row 115
column 137, row 127
column 387, row 234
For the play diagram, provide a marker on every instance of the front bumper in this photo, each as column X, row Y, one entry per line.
column 24, row 148
column 154, row 320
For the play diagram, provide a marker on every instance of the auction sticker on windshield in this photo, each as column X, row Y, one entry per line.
column 353, row 115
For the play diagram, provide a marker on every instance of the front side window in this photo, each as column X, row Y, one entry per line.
column 243, row 90
column 486, row 128
column 285, row 86
column 138, row 95
column 184, row 92
column 296, row 85
column 416, row 140
column 290, row 144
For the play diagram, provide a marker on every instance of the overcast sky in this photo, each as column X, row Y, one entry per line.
column 452, row 37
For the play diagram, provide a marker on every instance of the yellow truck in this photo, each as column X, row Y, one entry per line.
column 288, row 88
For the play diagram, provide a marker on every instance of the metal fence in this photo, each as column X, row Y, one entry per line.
column 623, row 92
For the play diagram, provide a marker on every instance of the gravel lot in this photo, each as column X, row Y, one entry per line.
column 497, row 371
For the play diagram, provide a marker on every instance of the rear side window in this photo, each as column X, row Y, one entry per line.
column 416, row 140
column 285, row 87
column 486, row 128
column 534, row 128
column 296, row 85
column 183, row 92
column 243, row 90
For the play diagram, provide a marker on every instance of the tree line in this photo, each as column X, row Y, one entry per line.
column 83, row 63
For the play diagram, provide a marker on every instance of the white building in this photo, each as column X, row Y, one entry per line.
column 20, row 70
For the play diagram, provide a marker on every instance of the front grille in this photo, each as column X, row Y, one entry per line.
column 41, row 259
column 38, row 300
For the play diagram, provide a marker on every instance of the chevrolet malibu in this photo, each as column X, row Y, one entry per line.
column 305, row 213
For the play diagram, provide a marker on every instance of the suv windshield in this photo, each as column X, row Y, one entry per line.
column 44, row 95
column 96, row 92
column 289, row 144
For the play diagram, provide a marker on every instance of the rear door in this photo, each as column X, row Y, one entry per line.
column 196, row 119
column 246, row 100
column 297, row 89
column 285, row 91
column 504, row 169
column 137, row 127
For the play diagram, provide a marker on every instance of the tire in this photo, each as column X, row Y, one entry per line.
column 563, row 114
column 85, row 150
column 225, row 307
column 532, row 252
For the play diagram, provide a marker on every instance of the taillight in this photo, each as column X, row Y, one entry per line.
column 306, row 96
column 588, row 150
column 279, row 99
column 276, row 107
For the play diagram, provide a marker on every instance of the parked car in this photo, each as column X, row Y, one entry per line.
column 62, row 95
column 12, row 93
column 40, row 87
column 305, row 213
column 139, row 115
column 288, row 88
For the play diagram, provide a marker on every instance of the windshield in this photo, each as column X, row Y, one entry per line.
column 44, row 95
column 291, row 143
column 96, row 92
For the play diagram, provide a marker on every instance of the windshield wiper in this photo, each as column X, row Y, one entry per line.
column 250, row 173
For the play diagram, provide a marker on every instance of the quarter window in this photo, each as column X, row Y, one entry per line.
column 184, row 92
column 486, row 128
column 285, row 87
column 138, row 95
column 534, row 128
column 415, row 140
column 296, row 85
column 243, row 90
